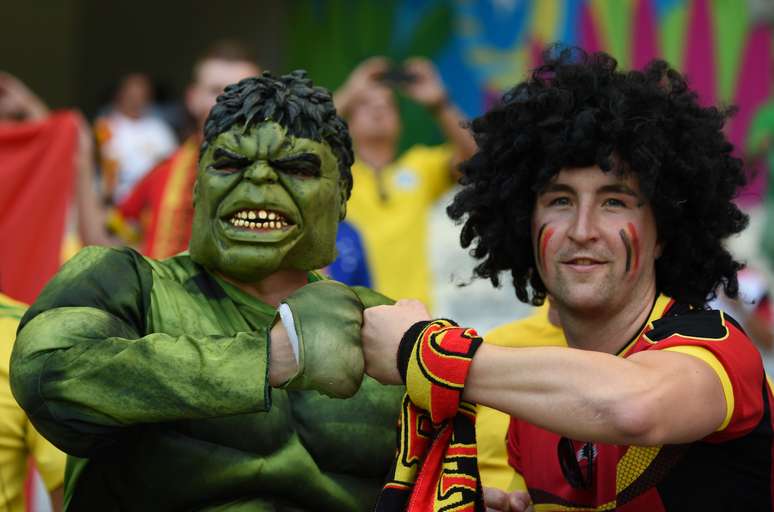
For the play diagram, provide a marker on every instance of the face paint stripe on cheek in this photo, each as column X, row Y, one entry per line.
column 539, row 239
column 635, row 244
column 628, row 245
column 544, row 235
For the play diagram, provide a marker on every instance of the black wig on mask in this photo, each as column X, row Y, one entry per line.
column 292, row 101
column 577, row 110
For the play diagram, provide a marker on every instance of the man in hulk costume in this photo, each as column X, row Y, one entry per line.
column 173, row 384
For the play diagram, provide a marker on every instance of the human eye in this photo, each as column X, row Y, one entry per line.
column 614, row 202
column 559, row 201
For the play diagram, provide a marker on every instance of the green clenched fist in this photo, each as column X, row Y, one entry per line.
column 327, row 317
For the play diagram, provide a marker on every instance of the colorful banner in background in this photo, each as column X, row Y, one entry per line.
column 722, row 46
column 483, row 47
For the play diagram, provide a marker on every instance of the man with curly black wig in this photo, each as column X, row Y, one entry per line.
column 199, row 382
column 612, row 192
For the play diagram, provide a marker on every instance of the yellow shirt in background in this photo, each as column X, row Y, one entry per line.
column 18, row 438
column 492, row 425
column 390, row 210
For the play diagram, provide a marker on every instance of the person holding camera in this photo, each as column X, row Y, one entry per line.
column 394, row 192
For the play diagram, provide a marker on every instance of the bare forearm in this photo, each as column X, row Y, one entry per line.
column 450, row 120
column 572, row 392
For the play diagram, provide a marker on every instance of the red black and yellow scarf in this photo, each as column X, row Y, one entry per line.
column 435, row 469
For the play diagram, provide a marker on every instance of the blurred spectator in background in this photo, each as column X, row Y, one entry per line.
column 351, row 264
column 393, row 193
column 46, row 167
column 18, row 438
column 131, row 139
column 18, row 102
column 159, row 209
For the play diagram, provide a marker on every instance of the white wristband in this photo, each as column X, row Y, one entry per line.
column 286, row 315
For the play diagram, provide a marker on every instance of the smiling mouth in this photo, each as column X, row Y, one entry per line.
column 583, row 261
column 259, row 220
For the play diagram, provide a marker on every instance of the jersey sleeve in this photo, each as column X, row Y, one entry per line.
column 717, row 339
column 87, row 370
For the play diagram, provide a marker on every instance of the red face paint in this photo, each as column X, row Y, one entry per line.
column 544, row 235
column 635, row 245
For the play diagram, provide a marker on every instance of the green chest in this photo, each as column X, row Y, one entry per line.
column 355, row 436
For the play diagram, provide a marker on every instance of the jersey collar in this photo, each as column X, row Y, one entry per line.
column 660, row 307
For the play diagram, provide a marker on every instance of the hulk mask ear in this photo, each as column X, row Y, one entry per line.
column 195, row 194
column 342, row 202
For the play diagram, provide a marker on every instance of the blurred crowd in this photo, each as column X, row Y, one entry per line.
column 127, row 178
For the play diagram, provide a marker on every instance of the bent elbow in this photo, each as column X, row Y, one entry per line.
column 636, row 422
column 70, row 435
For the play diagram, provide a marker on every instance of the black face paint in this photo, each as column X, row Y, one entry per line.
column 628, row 244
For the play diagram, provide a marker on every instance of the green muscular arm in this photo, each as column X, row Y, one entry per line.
column 84, row 373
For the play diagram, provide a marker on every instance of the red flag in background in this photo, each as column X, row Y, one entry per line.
column 37, row 164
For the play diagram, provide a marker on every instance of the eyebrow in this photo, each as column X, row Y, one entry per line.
column 308, row 158
column 225, row 153
column 556, row 187
column 617, row 188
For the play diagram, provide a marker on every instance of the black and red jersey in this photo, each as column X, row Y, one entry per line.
column 730, row 469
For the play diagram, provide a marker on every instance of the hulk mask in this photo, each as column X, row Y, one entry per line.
column 266, row 201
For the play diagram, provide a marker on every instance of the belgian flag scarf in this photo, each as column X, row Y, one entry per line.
column 435, row 469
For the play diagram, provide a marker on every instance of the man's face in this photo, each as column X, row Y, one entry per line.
column 595, row 242
column 374, row 116
column 210, row 78
column 134, row 95
column 266, row 201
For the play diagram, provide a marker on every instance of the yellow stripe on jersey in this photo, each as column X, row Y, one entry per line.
column 634, row 462
column 662, row 301
column 551, row 507
column 709, row 358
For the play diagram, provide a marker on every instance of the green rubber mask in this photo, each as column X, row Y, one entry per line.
column 265, row 201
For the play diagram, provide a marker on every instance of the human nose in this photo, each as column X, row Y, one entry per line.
column 583, row 227
column 261, row 172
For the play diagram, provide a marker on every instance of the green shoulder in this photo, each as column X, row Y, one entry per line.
column 117, row 280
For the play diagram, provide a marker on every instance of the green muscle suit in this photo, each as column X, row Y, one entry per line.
column 159, row 378
column 156, row 371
